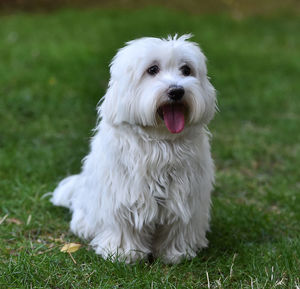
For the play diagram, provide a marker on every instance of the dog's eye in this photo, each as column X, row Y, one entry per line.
column 186, row 70
column 153, row 70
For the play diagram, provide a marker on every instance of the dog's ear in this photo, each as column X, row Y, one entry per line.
column 209, row 94
column 117, row 106
column 108, row 108
column 208, row 91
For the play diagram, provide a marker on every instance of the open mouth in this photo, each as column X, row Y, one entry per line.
column 173, row 116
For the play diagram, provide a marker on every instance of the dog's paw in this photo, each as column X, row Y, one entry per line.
column 176, row 257
column 121, row 255
column 171, row 254
column 115, row 248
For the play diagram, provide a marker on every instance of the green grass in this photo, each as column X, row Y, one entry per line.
column 54, row 69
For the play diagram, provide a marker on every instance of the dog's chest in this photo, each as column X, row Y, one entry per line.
column 160, row 182
column 170, row 189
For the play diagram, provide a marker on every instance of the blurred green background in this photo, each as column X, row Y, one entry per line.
column 238, row 8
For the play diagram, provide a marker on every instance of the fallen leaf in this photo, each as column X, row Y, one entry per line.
column 52, row 80
column 70, row 247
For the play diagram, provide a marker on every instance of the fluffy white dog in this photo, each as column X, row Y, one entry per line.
column 145, row 185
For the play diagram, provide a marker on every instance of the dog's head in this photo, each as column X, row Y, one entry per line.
column 160, row 83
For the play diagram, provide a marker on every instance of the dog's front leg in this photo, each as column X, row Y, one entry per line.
column 122, row 242
column 178, row 241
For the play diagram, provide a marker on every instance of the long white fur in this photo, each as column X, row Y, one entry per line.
column 142, row 189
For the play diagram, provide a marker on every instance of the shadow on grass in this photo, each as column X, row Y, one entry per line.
column 238, row 228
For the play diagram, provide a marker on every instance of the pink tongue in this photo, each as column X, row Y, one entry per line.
column 174, row 117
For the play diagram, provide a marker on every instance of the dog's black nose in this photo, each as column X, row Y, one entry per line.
column 175, row 92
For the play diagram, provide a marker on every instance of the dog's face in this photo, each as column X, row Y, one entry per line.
column 160, row 83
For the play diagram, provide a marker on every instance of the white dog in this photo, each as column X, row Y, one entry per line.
column 145, row 185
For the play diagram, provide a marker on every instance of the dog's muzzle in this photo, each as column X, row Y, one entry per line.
column 173, row 111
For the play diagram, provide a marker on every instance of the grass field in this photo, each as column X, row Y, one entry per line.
column 53, row 71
